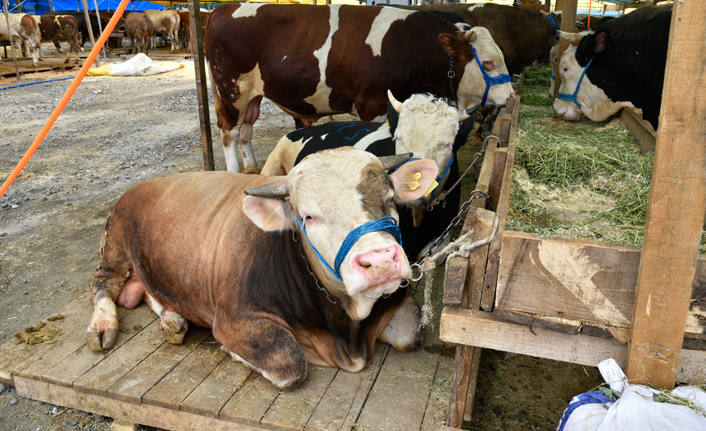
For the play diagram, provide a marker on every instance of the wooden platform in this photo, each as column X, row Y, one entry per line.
column 7, row 68
column 195, row 385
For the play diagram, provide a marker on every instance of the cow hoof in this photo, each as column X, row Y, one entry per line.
column 175, row 337
column 60, row 51
column 66, row 61
column 99, row 341
column 173, row 321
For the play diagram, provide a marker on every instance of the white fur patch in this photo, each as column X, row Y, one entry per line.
column 475, row 6
column 381, row 133
column 246, row 10
column 382, row 24
column 321, row 97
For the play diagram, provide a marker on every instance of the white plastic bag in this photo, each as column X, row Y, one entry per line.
column 634, row 409
column 134, row 66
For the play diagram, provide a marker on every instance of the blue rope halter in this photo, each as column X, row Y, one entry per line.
column 387, row 223
column 490, row 81
column 553, row 22
column 572, row 97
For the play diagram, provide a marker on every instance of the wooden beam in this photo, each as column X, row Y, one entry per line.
column 676, row 206
column 201, row 86
column 6, row 9
column 482, row 329
column 90, row 28
column 642, row 130
column 568, row 20
column 581, row 280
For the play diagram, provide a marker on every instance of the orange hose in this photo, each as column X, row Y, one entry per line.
column 67, row 96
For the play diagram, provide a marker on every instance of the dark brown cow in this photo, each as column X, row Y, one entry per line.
column 56, row 28
column 198, row 249
column 315, row 61
column 138, row 28
column 523, row 35
column 184, row 29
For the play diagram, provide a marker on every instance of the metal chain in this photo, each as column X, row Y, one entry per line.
column 452, row 74
column 475, row 194
column 308, row 268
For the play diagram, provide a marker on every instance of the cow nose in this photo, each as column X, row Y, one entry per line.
column 560, row 116
column 512, row 95
column 383, row 263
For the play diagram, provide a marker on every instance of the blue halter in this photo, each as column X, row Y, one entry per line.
column 490, row 81
column 553, row 22
column 387, row 223
column 572, row 97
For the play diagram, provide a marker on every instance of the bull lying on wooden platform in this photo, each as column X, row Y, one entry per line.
column 198, row 249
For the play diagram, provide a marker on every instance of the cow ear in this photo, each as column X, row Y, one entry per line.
column 267, row 213
column 573, row 38
column 413, row 180
column 600, row 40
column 452, row 45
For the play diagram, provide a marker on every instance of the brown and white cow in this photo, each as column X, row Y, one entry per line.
column 55, row 28
column 315, row 61
column 22, row 29
column 199, row 249
column 138, row 28
column 165, row 23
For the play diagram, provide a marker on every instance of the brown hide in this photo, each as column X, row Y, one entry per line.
column 138, row 27
column 189, row 242
column 281, row 40
column 519, row 32
column 61, row 28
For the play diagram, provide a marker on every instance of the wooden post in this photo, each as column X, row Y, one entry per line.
column 201, row 87
column 100, row 26
column 90, row 29
column 6, row 9
column 676, row 207
column 51, row 6
column 568, row 18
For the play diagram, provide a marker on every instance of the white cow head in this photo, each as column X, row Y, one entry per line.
column 333, row 192
column 471, row 88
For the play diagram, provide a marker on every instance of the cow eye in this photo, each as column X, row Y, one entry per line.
column 488, row 65
column 564, row 69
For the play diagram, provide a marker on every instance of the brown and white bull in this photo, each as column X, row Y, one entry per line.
column 23, row 29
column 315, row 61
column 56, row 28
column 199, row 249
column 165, row 23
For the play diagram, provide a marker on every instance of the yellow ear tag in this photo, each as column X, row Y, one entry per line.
column 388, row 123
column 431, row 189
column 413, row 184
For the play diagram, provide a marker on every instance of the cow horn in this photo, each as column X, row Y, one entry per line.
column 392, row 162
column 276, row 190
column 395, row 103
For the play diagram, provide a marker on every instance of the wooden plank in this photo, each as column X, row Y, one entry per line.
column 692, row 367
column 491, row 272
column 203, row 358
column 336, row 411
column 98, row 379
column 496, row 177
column 482, row 329
column 250, row 404
column 389, row 409
column 565, row 326
column 676, row 207
column 201, row 87
column 293, row 409
column 505, row 120
column 76, row 315
column 435, row 411
column 642, row 130
column 153, row 367
column 587, row 281
column 126, row 412
column 62, row 365
column 211, row 395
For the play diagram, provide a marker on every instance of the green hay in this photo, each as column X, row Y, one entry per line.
column 560, row 160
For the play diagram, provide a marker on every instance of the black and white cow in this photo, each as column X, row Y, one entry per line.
column 619, row 65
column 424, row 125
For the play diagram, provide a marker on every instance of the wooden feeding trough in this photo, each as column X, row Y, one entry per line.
column 145, row 380
column 584, row 301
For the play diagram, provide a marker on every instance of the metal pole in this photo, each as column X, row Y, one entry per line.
column 201, row 87
column 90, row 28
column 5, row 9
column 100, row 26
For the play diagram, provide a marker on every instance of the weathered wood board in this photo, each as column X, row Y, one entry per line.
column 587, row 281
column 24, row 65
column 145, row 380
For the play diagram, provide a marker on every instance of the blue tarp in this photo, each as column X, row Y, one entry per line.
column 38, row 7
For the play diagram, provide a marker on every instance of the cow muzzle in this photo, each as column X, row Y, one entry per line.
column 381, row 271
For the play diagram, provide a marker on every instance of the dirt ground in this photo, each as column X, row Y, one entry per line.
column 114, row 133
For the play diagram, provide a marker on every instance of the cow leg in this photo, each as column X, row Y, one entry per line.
column 173, row 324
column 403, row 331
column 58, row 47
column 244, row 140
column 266, row 347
